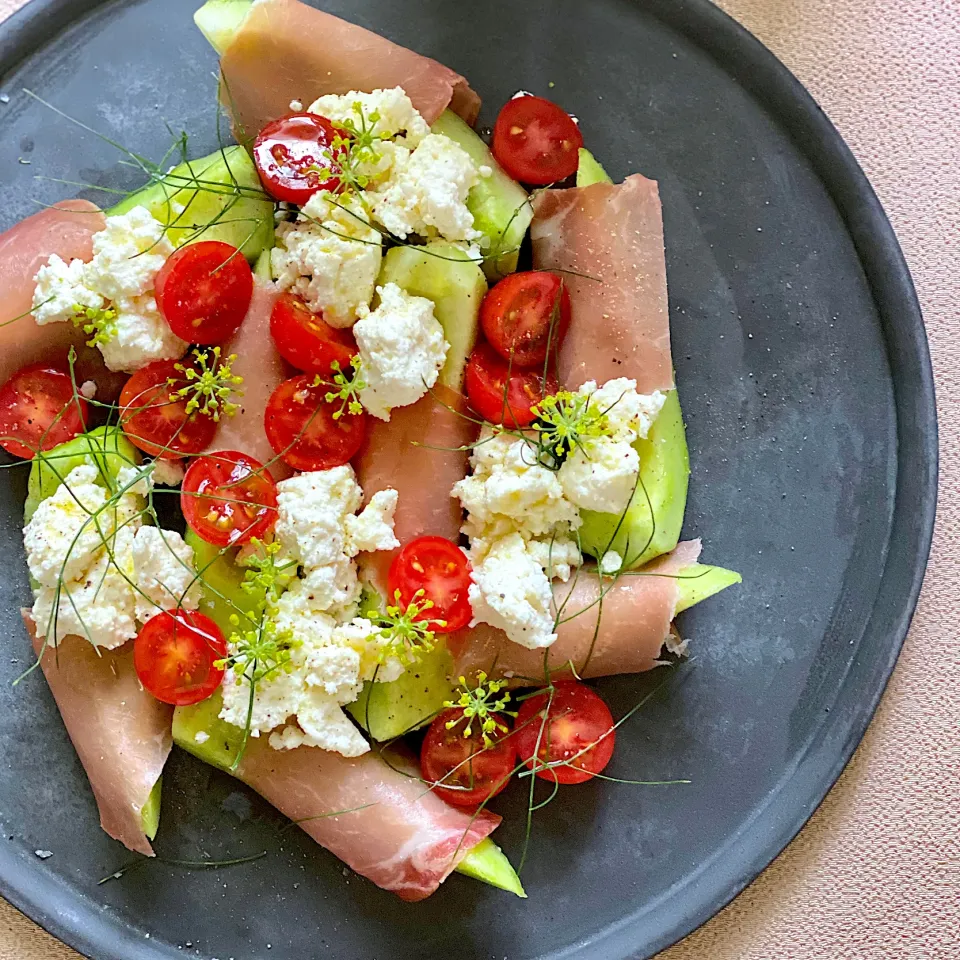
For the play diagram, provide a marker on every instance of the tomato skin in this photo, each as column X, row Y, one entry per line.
column 290, row 157
column 204, row 291
column 38, row 410
column 526, row 314
column 577, row 718
column 445, row 756
column 536, row 141
column 175, row 655
column 156, row 424
column 228, row 498
column 306, row 341
column 300, row 426
column 501, row 394
column 439, row 568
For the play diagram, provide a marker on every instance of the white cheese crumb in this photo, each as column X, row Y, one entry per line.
column 296, row 106
column 142, row 336
column 601, row 475
column 330, row 257
column 88, row 389
column 427, row 194
column 165, row 575
column 201, row 737
column 511, row 591
column 373, row 529
column 60, row 288
column 168, row 473
column 397, row 115
column 611, row 562
column 402, row 349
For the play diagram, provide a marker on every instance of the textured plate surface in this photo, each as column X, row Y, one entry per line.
column 804, row 374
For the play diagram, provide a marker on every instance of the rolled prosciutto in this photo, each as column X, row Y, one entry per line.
column 67, row 230
column 286, row 50
column 609, row 240
column 421, row 453
column 606, row 627
column 121, row 733
column 405, row 839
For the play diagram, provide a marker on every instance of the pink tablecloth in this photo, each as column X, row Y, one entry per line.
column 876, row 873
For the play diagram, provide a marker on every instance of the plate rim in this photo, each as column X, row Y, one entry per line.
column 45, row 899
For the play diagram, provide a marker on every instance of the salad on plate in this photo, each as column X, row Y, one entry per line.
column 354, row 451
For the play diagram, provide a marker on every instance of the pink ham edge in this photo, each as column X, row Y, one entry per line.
column 121, row 733
column 636, row 615
column 67, row 230
column 621, row 320
column 263, row 370
column 408, row 842
column 423, row 477
column 287, row 51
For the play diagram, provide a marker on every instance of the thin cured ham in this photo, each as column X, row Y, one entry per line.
column 421, row 453
column 67, row 230
column 286, row 50
column 406, row 839
column 263, row 370
column 607, row 241
column 121, row 733
column 622, row 634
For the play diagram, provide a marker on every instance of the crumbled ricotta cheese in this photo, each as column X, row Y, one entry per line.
column 402, row 349
column 331, row 257
column 629, row 414
column 99, row 569
column 373, row 529
column 427, row 194
column 168, row 473
column 395, row 111
column 201, row 737
column 511, row 591
column 142, row 336
column 611, row 562
column 60, row 289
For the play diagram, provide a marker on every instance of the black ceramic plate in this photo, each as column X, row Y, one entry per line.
column 804, row 374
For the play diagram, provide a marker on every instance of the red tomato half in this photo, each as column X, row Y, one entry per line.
column 228, row 498
column 300, row 425
column 155, row 423
column 525, row 315
column 38, row 411
column 204, row 291
column 306, row 340
column 294, row 157
column 501, row 393
column 175, row 655
column 471, row 773
column 536, row 141
column 578, row 718
column 440, row 569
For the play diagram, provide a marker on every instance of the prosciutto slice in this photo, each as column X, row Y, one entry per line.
column 263, row 370
column 67, row 230
column 286, row 50
column 405, row 839
column 121, row 733
column 398, row 454
column 622, row 634
column 613, row 235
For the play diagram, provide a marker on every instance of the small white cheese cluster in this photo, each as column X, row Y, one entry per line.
column 416, row 183
column 402, row 350
column 522, row 516
column 127, row 255
column 100, row 570
column 601, row 473
column 337, row 651
column 331, row 257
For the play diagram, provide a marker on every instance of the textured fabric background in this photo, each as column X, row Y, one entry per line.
column 876, row 872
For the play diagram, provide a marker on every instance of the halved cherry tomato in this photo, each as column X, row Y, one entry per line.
column 300, row 425
column 440, row 569
column 502, row 394
column 536, row 141
column 295, row 157
column 155, row 423
column 228, row 498
column 470, row 772
column 38, row 411
column 577, row 719
column 306, row 340
column 204, row 291
column 175, row 655
column 525, row 315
